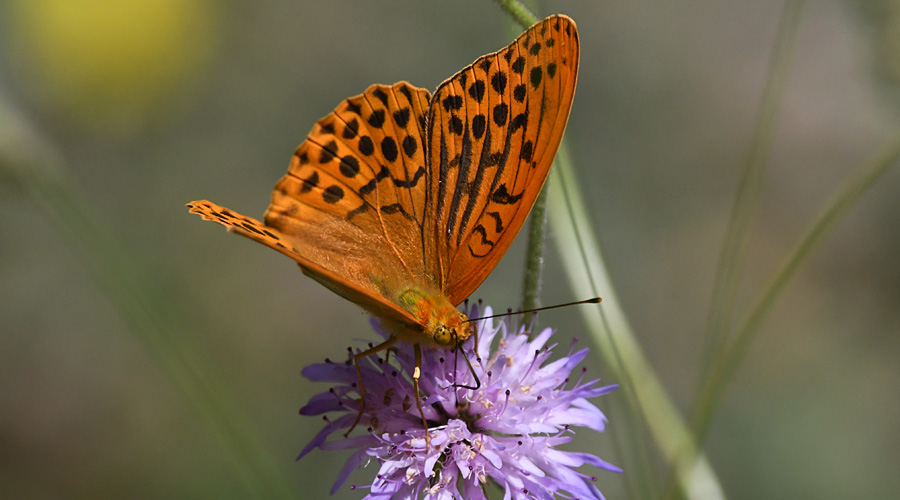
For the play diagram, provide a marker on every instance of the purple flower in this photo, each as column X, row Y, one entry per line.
column 505, row 433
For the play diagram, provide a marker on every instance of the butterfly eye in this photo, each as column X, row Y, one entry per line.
column 444, row 336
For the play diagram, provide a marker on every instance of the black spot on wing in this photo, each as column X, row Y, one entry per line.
column 519, row 92
column 351, row 129
column 396, row 208
column 526, row 152
column 456, row 125
column 519, row 65
column 376, row 119
column 498, row 82
column 329, row 151
column 405, row 91
column 333, row 194
column 370, row 186
column 479, row 230
column 453, row 102
column 354, row 108
column 251, row 228
column 366, row 146
column 411, row 182
column 410, row 146
column 349, row 166
column 389, row 149
column 478, row 125
column 476, row 91
column 502, row 196
column 356, row 211
column 536, row 74
column 401, row 117
column 501, row 111
column 498, row 221
column 381, row 95
column 309, row 183
column 519, row 121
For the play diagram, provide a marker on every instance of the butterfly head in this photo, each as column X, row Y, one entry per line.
column 441, row 322
column 453, row 330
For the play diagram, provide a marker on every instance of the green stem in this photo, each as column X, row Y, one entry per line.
column 519, row 12
column 534, row 257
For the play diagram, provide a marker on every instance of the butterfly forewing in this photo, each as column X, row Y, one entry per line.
column 494, row 129
column 362, row 170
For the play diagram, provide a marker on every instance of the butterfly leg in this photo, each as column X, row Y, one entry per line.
column 362, row 387
column 417, row 349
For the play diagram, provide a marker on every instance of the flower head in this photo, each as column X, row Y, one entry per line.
column 506, row 432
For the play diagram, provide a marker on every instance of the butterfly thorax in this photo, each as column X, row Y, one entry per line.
column 442, row 323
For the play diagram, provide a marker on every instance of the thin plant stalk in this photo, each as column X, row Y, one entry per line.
column 862, row 180
column 732, row 258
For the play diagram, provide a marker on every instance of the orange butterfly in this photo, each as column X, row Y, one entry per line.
column 403, row 202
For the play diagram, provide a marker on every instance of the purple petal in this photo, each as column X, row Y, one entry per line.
column 529, row 467
column 351, row 465
column 320, row 438
column 598, row 462
column 472, row 490
column 322, row 403
column 329, row 372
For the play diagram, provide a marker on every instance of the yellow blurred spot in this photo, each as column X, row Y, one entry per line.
column 109, row 63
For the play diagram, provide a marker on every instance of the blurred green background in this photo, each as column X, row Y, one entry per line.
column 153, row 103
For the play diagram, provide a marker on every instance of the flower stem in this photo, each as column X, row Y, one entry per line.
column 519, row 12
column 534, row 257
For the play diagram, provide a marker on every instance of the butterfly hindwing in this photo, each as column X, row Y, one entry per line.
column 494, row 129
column 356, row 290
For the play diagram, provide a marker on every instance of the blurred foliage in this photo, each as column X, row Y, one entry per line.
column 884, row 16
column 110, row 64
column 150, row 104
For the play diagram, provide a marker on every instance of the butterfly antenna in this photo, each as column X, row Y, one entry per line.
column 595, row 300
